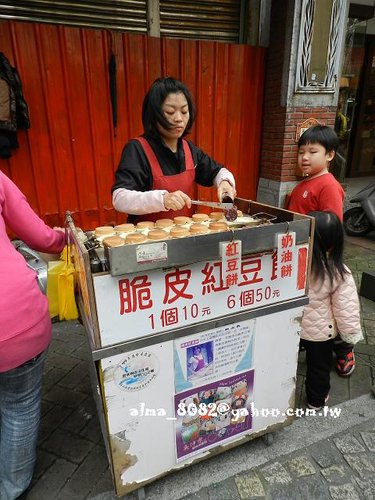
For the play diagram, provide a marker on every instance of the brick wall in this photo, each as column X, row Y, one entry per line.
column 279, row 149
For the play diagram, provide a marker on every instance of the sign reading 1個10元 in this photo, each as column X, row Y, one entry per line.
column 137, row 305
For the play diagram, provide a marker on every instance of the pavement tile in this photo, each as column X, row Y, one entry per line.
column 275, row 474
column 290, row 492
column 224, row 490
column 61, row 347
column 369, row 326
column 312, row 487
column 82, row 353
column 60, row 361
column 63, row 397
column 52, row 421
column 334, row 473
column 360, row 463
column 200, row 495
column 103, row 485
column 348, row 444
column 344, row 492
column 52, row 481
column 68, row 329
column 367, row 488
column 360, row 381
column 67, row 496
column 79, row 417
column 74, row 376
column 325, row 454
column 53, row 377
column 369, row 440
column 301, row 466
column 92, row 431
column 46, row 407
column 366, row 484
column 68, row 445
column 84, row 385
column 249, row 486
column 44, row 460
column 87, row 474
column 339, row 389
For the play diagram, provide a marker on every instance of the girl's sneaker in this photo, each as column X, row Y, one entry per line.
column 345, row 364
column 318, row 408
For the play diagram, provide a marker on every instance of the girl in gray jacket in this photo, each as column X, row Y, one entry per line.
column 333, row 307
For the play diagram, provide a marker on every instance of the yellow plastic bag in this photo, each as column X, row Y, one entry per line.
column 60, row 287
column 55, row 267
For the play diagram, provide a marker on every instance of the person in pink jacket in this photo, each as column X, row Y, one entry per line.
column 333, row 307
column 25, row 333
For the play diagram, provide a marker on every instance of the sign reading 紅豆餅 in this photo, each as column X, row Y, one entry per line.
column 137, row 305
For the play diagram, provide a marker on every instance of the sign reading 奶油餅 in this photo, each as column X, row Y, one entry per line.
column 136, row 305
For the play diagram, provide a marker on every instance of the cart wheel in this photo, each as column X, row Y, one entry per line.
column 141, row 494
column 268, row 439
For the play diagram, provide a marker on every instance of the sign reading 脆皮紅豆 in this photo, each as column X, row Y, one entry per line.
column 137, row 305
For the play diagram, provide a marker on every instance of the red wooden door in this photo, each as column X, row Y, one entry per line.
column 67, row 159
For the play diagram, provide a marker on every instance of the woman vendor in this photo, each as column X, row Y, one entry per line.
column 157, row 171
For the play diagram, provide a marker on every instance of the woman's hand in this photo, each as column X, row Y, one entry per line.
column 224, row 189
column 176, row 200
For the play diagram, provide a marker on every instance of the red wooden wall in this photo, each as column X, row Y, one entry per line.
column 67, row 159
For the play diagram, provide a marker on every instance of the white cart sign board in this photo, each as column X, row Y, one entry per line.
column 152, row 395
column 136, row 305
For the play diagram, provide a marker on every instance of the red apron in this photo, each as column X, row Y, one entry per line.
column 179, row 182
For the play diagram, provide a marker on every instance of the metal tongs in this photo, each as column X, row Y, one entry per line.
column 213, row 204
column 230, row 211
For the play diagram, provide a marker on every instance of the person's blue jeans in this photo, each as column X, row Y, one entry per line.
column 20, row 402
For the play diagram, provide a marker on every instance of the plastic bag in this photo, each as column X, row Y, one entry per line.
column 60, row 287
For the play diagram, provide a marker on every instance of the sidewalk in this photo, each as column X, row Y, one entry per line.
column 315, row 457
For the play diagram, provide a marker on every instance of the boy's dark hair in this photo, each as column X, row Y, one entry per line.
column 321, row 134
column 328, row 246
column 152, row 113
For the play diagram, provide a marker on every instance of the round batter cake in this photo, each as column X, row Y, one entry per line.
column 146, row 224
column 113, row 241
column 125, row 228
column 200, row 217
column 179, row 232
column 135, row 238
column 180, row 220
column 216, row 215
column 218, row 226
column 157, row 234
column 103, row 231
column 162, row 223
column 197, row 228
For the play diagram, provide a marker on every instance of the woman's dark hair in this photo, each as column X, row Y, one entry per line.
column 152, row 113
column 328, row 246
column 321, row 134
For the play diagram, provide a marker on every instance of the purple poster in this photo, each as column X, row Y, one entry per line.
column 210, row 414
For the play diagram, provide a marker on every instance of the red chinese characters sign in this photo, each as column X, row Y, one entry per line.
column 137, row 305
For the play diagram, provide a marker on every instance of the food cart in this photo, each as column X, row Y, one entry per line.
column 194, row 340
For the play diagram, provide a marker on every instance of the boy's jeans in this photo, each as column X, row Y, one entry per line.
column 20, row 401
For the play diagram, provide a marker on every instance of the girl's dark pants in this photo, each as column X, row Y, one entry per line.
column 319, row 363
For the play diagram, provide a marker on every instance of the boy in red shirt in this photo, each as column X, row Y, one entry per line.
column 320, row 191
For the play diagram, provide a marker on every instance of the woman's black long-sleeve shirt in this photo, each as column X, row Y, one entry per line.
column 134, row 172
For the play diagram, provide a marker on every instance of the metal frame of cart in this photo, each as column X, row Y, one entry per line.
column 146, row 320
